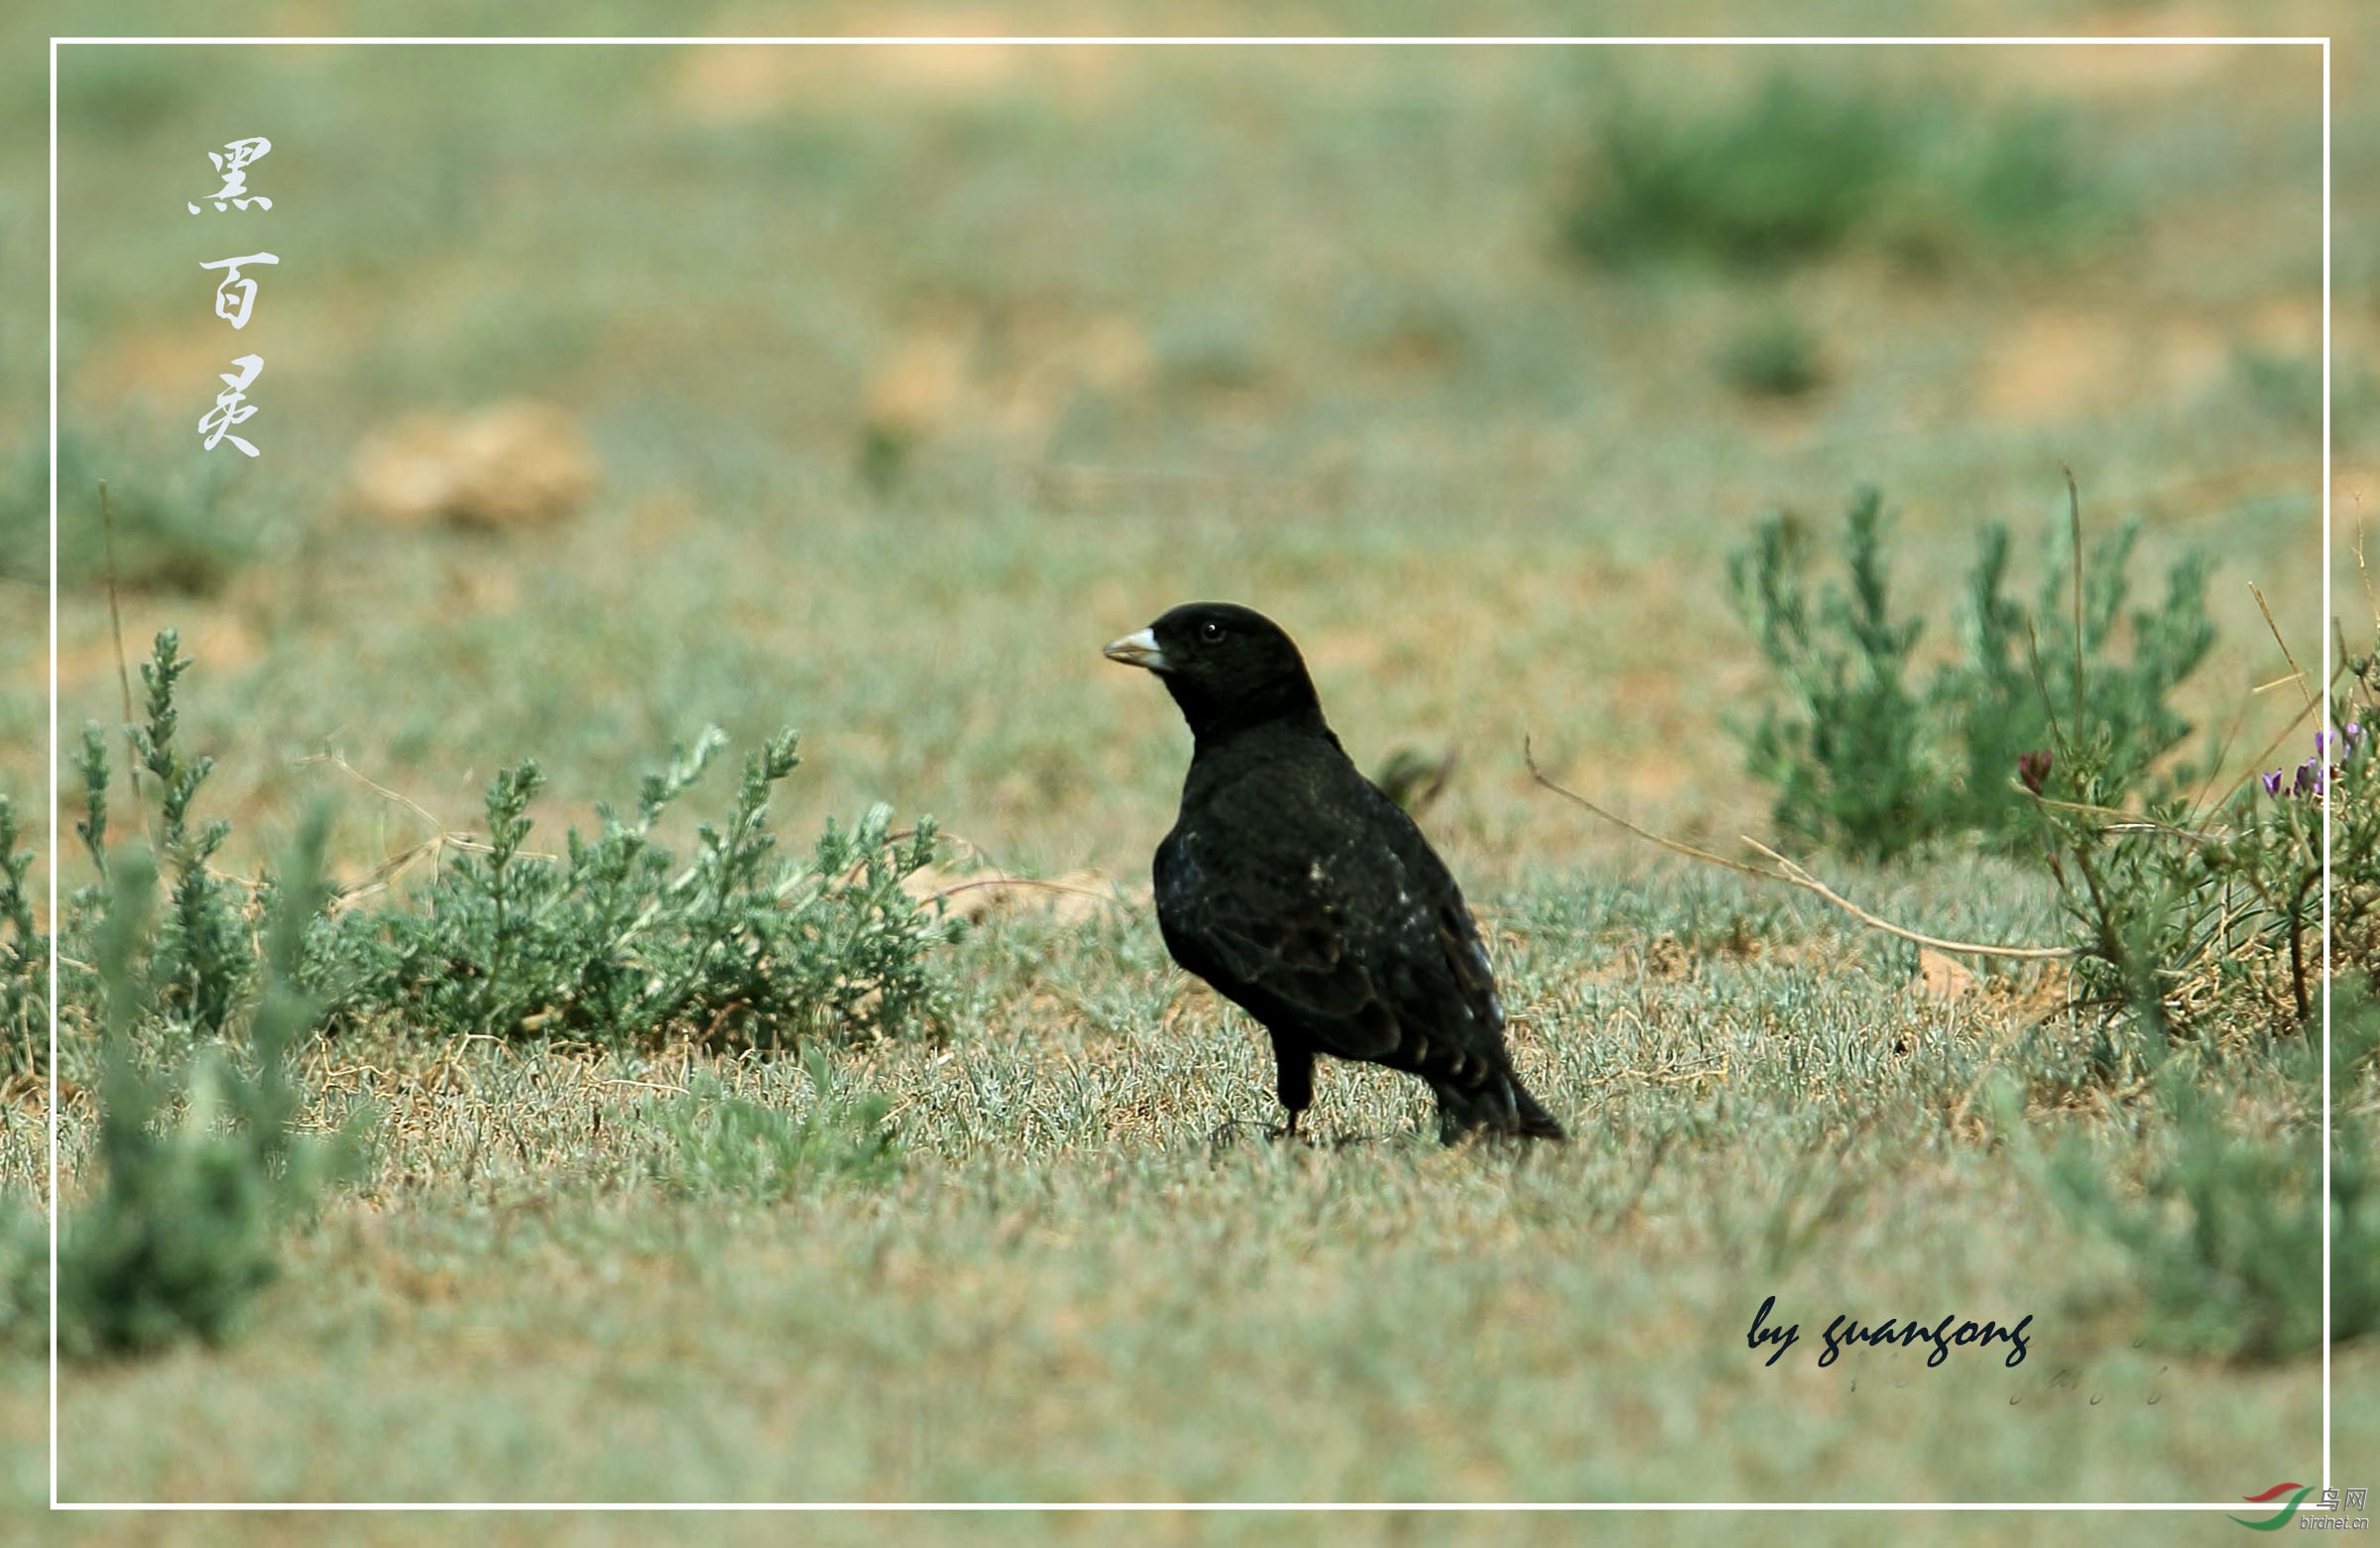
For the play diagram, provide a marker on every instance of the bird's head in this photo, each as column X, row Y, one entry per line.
column 1228, row 666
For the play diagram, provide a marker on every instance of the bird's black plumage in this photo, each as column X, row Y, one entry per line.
column 1305, row 895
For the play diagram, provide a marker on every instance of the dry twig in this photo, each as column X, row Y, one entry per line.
column 1794, row 876
column 441, row 838
column 2266, row 609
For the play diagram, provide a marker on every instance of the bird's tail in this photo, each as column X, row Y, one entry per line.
column 1501, row 1105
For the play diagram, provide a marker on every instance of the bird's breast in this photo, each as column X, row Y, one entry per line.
column 1177, row 873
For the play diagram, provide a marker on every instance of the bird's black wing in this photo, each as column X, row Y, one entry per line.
column 1332, row 921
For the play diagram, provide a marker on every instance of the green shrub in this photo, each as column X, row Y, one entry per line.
column 2184, row 907
column 1848, row 764
column 203, row 953
column 2181, row 902
column 2278, row 848
column 621, row 941
column 2225, row 1231
column 1864, row 764
column 1802, row 169
column 178, row 527
column 205, row 1167
column 2020, row 182
column 24, row 958
column 722, row 1144
column 1789, row 175
column 2017, row 674
column 201, row 960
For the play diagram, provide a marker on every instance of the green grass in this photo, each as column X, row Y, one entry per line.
column 1205, row 347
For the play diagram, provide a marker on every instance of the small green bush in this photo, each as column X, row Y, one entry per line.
column 2278, row 848
column 206, row 1167
column 2261, row 856
column 204, row 955
column 24, row 958
column 621, row 941
column 178, row 527
column 1789, row 175
column 724, row 1145
column 1800, row 170
column 2185, row 906
column 2017, row 674
column 2181, row 902
column 618, row 938
column 1850, row 766
column 1865, row 763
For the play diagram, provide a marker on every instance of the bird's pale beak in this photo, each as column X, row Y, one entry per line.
column 1139, row 649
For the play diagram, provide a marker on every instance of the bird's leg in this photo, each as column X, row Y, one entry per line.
column 1294, row 1082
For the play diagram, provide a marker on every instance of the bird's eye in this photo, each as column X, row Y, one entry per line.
column 1210, row 631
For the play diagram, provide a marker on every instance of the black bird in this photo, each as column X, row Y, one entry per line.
column 1309, row 898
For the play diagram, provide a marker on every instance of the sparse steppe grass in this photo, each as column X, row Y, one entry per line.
column 1072, row 1289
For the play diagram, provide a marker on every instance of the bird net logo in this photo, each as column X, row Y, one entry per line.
column 2337, row 1509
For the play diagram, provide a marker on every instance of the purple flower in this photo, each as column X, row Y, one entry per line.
column 2310, row 777
column 2271, row 783
column 2353, row 734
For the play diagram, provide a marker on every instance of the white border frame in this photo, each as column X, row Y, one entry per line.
column 56, row 42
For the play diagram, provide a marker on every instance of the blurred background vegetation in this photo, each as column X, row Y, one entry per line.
column 612, row 391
